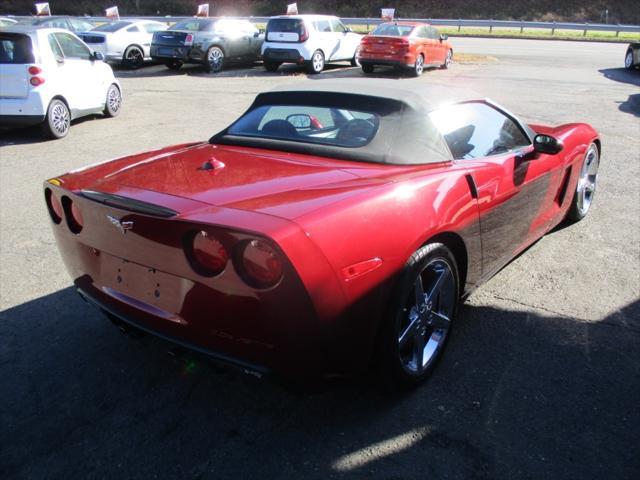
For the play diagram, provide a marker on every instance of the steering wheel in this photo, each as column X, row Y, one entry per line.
column 356, row 132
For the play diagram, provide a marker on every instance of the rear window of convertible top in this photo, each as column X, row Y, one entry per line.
column 309, row 124
column 15, row 49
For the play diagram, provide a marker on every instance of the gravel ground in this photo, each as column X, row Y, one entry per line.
column 541, row 378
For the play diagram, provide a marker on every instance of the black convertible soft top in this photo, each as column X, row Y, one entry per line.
column 405, row 136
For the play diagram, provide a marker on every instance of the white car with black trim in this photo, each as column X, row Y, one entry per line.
column 311, row 40
column 125, row 42
column 49, row 76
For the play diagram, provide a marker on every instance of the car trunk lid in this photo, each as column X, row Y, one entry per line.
column 170, row 38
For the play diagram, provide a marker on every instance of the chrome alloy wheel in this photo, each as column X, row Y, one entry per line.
column 114, row 99
column 588, row 180
column 318, row 62
column 215, row 58
column 426, row 317
column 447, row 60
column 628, row 59
column 134, row 57
column 60, row 119
column 419, row 68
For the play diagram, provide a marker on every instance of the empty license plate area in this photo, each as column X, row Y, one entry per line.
column 145, row 288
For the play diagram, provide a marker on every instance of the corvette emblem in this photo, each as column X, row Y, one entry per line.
column 122, row 226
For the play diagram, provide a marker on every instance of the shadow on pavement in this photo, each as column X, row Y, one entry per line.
column 28, row 135
column 517, row 395
column 632, row 104
column 233, row 71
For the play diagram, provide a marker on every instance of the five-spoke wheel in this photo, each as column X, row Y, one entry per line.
column 423, row 309
column 586, row 188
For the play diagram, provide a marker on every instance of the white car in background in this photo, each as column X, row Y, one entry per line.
column 49, row 76
column 125, row 42
column 311, row 40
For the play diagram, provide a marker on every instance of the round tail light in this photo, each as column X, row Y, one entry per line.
column 260, row 264
column 208, row 256
column 73, row 215
column 54, row 206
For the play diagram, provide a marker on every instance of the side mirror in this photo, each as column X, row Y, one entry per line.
column 547, row 144
column 347, row 29
column 444, row 37
column 97, row 56
column 256, row 34
column 299, row 120
column 261, row 31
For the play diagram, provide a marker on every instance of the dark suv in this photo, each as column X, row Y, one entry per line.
column 212, row 42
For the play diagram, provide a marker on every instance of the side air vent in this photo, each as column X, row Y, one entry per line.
column 130, row 204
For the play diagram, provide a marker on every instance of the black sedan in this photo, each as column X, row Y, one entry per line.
column 212, row 42
column 632, row 57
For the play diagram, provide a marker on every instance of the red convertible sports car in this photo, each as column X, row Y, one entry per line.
column 330, row 225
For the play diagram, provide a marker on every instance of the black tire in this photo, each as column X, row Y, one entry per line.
column 316, row 64
column 58, row 120
column 174, row 64
column 396, row 344
column 586, row 186
column 628, row 60
column 354, row 60
column 113, row 102
column 418, row 68
column 447, row 60
column 133, row 57
column 271, row 66
column 214, row 59
column 367, row 68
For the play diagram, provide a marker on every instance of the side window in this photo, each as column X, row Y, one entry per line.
column 154, row 27
column 337, row 26
column 72, row 47
column 79, row 25
column 323, row 26
column 474, row 130
column 433, row 33
column 422, row 32
column 55, row 47
column 133, row 29
column 247, row 27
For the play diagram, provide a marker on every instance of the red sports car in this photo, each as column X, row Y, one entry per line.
column 411, row 45
column 331, row 224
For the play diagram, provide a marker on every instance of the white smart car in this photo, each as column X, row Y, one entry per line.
column 312, row 40
column 126, row 42
column 50, row 76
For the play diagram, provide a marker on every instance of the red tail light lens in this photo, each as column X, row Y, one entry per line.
column 72, row 213
column 260, row 264
column 54, row 206
column 207, row 255
column 304, row 34
column 36, row 81
column 188, row 40
column 33, row 70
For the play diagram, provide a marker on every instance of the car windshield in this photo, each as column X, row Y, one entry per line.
column 112, row 27
column 309, row 124
column 194, row 25
column 392, row 30
column 15, row 49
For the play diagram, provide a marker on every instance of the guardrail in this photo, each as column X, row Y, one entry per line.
column 459, row 23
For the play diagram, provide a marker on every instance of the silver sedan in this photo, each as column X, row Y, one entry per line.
column 125, row 42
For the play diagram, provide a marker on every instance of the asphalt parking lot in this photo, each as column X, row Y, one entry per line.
column 541, row 378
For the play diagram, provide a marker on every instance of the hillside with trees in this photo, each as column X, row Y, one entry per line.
column 619, row 11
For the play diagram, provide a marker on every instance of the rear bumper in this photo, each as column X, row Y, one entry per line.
column 283, row 55
column 20, row 120
column 163, row 53
column 109, row 309
column 407, row 60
